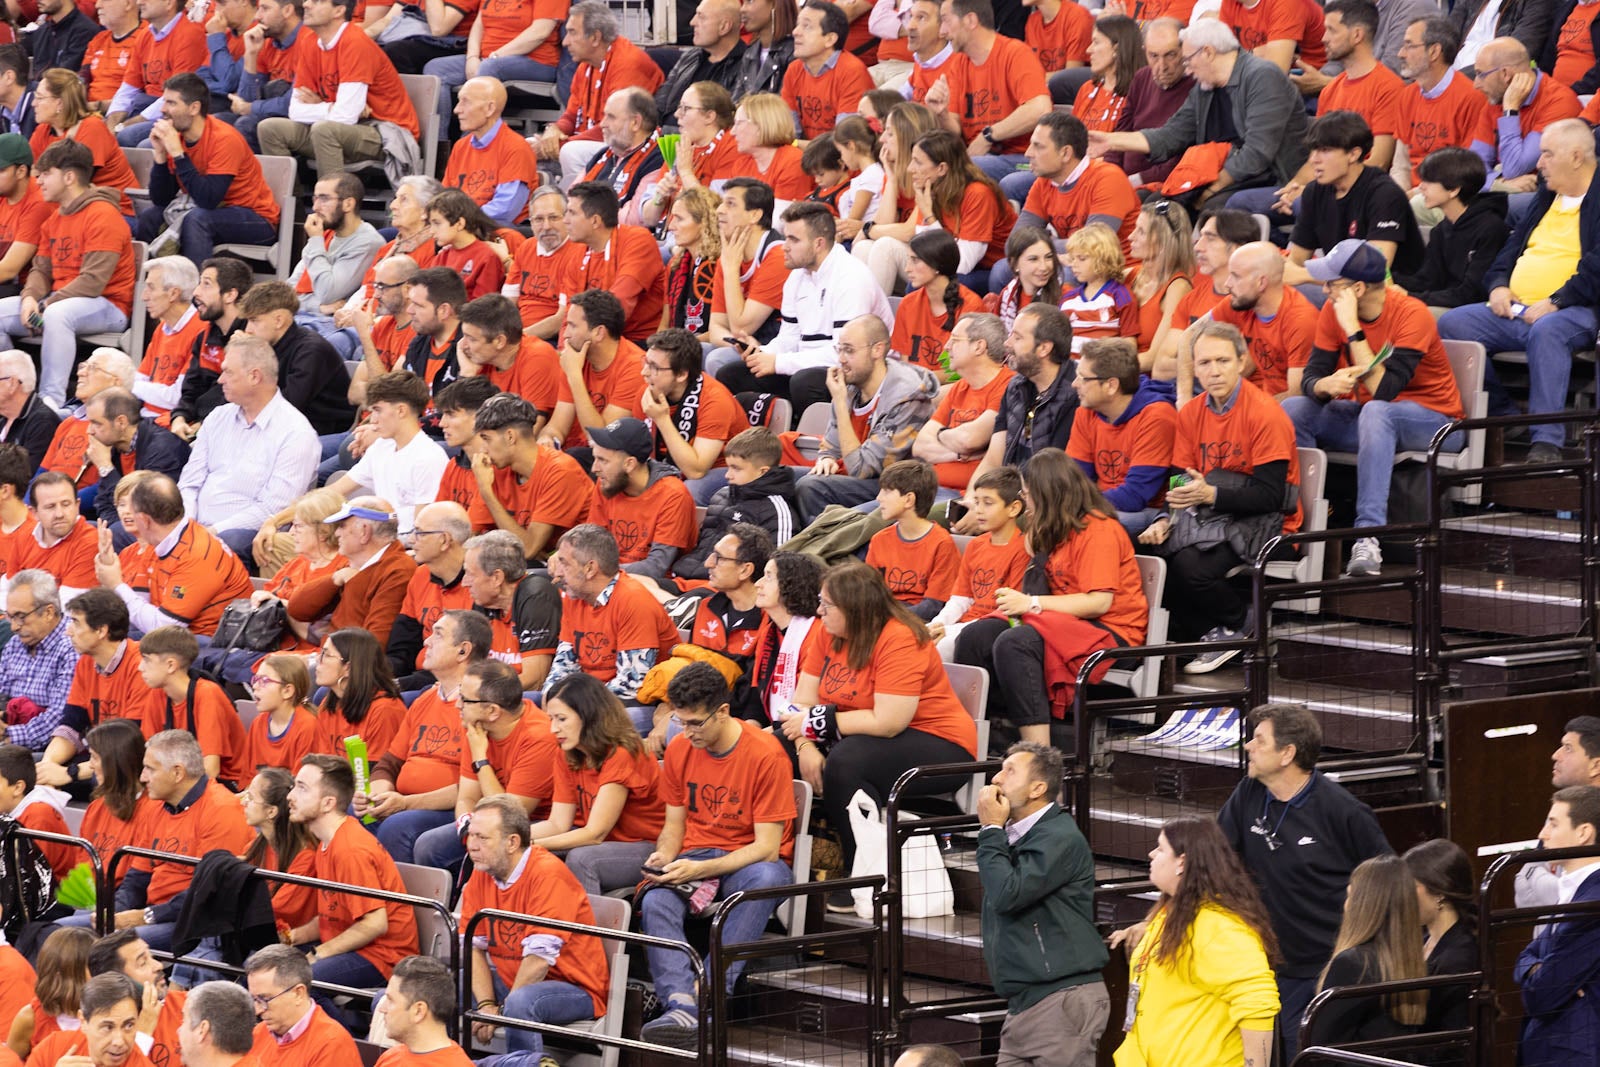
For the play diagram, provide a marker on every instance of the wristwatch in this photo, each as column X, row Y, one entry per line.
column 866, row 229
column 478, row 765
column 987, row 133
column 1359, row 335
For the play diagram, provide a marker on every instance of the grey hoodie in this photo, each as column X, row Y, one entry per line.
column 905, row 401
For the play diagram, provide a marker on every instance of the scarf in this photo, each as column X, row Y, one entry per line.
column 690, row 287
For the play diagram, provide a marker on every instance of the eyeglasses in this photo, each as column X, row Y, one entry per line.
column 24, row 616
column 824, row 605
column 714, row 557
column 656, row 368
column 263, row 679
column 388, row 285
column 1188, row 57
column 420, row 532
column 689, row 107
column 328, row 653
column 465, row 702
column 692, row 724
column 262, row 1002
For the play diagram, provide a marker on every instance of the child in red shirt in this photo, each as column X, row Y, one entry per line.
column 995, row 559
column 918, row 559
column 462, row 233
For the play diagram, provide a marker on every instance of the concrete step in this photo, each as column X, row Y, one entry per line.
column 775, row 1047
column 1353, row 719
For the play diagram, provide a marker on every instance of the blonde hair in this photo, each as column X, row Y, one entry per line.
column 1099, row 242
column 702, row 204
column 771, row 116
column 1169, row 245
column 316, row 506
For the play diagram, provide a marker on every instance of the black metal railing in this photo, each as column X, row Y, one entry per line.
column 1460, row 1040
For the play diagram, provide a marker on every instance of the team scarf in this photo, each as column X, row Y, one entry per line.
column 691, row 283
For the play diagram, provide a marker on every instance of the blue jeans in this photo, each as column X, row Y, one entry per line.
column 703, row 489
column 440, row 847
column 1375, row 432
column 240, row 542
column 64, row 321
column 335, row 457
column 1550, row 344
column 204, row 228
column 399, row 832
column 662, row 913
column 452, row 71
column 349, row 969
column 551, row 1001
column 1135, row 522
column 998, row 166
column 1017, row 184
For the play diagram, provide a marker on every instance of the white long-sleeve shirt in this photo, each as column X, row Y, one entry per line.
column 816, row 306
column 346, row 108
column 243, row 472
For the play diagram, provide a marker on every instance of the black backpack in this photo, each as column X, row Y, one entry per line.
column 27, row 885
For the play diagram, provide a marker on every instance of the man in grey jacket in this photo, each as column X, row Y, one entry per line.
column 897, row 398
column 340, row 246
column 1239, row 99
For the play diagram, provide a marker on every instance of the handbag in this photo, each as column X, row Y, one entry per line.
column 256, row 628
column 925, row 889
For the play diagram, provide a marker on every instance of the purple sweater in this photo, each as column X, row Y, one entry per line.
column 1149, row 106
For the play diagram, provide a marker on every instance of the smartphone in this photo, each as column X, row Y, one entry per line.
column 1517, row 310
column 655, row 871
column 746, row 347
column 955, row 511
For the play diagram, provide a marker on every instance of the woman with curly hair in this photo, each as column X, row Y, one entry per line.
column 1202, row 963
column 787, row 593
column 692, row 271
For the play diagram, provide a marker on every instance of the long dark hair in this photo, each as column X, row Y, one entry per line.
column 1443, row 869
column 606, row 726
column 859, row 593
column 1126, row 44
column 944, row 147
column 370, row 676
column 1023, row 238
column 1212, row 874
column 1380, row 913
column 120, row 746
column 1061, row 497
column 289, row 839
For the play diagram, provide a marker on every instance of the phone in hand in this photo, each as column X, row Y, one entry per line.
column 655, row 872
column 955, row 511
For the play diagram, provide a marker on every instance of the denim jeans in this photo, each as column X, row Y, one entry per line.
column 204, row 228
column 399, row 832
column 608, row 865
column 452, row 71
column 1549, row 342
column 349, row 969
column 1375, row 431
column 1017, row 184
column 998, row 166
column 551, row 1001
column 440, row 847
column 64, row 321
column 662, row 912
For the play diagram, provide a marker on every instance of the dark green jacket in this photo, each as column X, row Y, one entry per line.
column 1038, row 910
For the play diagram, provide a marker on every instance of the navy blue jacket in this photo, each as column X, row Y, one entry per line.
column 1559, row 973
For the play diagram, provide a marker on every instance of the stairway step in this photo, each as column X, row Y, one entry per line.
column 841, row 981
column 1523, row 526
column 784, row 1048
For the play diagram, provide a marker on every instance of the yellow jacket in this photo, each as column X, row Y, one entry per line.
column 1190, row 1011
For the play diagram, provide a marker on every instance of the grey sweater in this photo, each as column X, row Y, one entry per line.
column 1268, row 112
column 904, row 402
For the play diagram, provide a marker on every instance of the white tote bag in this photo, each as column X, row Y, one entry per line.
column 925, row 889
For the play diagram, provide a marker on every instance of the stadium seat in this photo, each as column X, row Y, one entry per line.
column 792, row 912
column 1145, row 679
column 74, row 820
column 247, row 712
column 1467, row 361
column 279, row 172
column 143, row 161
column 814, row 419
column 610, row 913
column 781, row 414
column 433, row 935
column 424, row 90
column 1314, row 505
column 971, row 685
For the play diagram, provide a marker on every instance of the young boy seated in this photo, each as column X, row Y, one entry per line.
column 824, row 165
column 185, row 701
column 1464, row 243
column 34, row 806
column 997, row 558
column 918, row 558
column 760, row 491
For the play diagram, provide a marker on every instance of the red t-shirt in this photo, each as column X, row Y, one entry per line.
column 984, row 95
column 1101, row 189
column 661, row 515
column 631, row 253
column 479, row 266
column 1100, row 559
column 918, row 336
column 70, row 560
column 1267, row 20
column 819, row 99
column 507, row 156
column 986, row 567
column 1551, row 101
column 540, row 278
column 355, row 57
column 1405, row 322
column 753, row 782
column 1099, row 105
column 354, row 857
column 639, row 774
column 624, row 65
column 1451, row 118
column 1575, row 45
column 1253, row 431
column 787, row 177
column 1145, row 440
column 24, row 220
column 152, row 62
column 377, row 729
column 223, row 150
column 960, row 405
column 620, row 384
column 106, row 59
column 721, row 418
column 167, row 355
column 630, row 619
column 285, row 750
column 428, row 744
column 214, row 820
column 524, row 760
column 1376, row 96
column 1276, row 346
column 504, row 20
column 214, row 722
column 1063, row 40
column 556, row 494
column 927, row 568
column 107, row 833
column 94, row 226
column 69, row 454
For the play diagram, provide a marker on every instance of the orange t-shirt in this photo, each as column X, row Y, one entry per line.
column 630, row 619
column 323, row 1044
column 504, row 20
column 120, row 694
column 1276, row 346
column 107, row 833
column 23, row 221
column 631, row 253
column 1113, row 448
column 787, row 177
column 985, row 95
column 70, row 560
column 540, row 277
column 1551, row 102
column 1405, row 323
column 355, row 57
column 507, row 156
column 354, row 857
column 16, row 982
column 427, row 599
column 214, row 820
column 213, row 720
column 1063, row 40
column 985, row 217
column 167, row 355
column 524, row 760
column 761, row 280
column 198, row 579
column 986, row 567
column 1196, row 302
column 713, row 161
column 1150, row 311
column 625, row 65
column 377, row 729
column 153, row 61
column 1099, row 105
column 427, row 744
column 450, row 1055
column 621, row 384
column 819, row 99
column 927, row 568
column 960, row 405
column 1376, row 96
column 479, row 266
column 14, row 544
column 661, row 515
column 1575, row 45
column 638, row 774
column 62, row 858
column 392, row 340
column 1100, row 559
column 556, row 494
column 1253, row 431
column 69, row 452
column 94, row 226
column 285, row 750
column 545, row 888
column 223, row 150
column 918, row 336
column 1267, row 20
column 106, row 59
column 753, row 782
column 721, row 417
column 63, row 1043
column 1451, row 118
column 1101, row 189
column 899, row 666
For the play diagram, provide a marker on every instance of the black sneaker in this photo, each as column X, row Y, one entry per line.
column 841, row 902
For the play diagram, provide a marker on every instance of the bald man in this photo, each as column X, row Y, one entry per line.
column 715, row 57
column 491, row 163
column 1523, row 101
column 631, row 158
column 1276, row 319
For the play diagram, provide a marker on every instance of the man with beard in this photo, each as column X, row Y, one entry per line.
column 384, row 328
column 641, row 501
column 601, row 370
column 211, row 162
column 340, row 246
column 22, row 212
column 1122, row 433
column 692, row 416
column 629, row 128
column 539, row 264
column 160, row 1007
column 223, row 283
column 434, row 299
column 1276, row 320
column 62, row 37
column 1522, row 101
column 109, row 1015
column 1216, row 237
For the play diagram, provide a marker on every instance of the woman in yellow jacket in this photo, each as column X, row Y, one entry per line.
column 1202, row 992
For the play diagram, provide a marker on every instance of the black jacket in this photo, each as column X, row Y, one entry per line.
column 33, row 429
column 1529, row 21
column 314, row 379
column 1547, row 61
column 60, row 44
column 418, row 353
column 695, row 66
column 1583, row 288
column 1459, row 254
column 155, row 448
column 201, row 393
column 405, row 641
column 226, row 900
column 756, row 76
column 771, row 502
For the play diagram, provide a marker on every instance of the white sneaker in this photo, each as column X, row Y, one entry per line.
column 1366, row 559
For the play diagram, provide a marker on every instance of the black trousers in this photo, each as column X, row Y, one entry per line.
column 1200, row 594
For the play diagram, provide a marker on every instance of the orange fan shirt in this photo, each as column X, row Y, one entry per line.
column 752, row 782
column 214, row 820
column 985, row 217
column 1277, row 345
column 223, row 150
column 153, row 61
column 427, row 598
column 1575, row 45
column 639, row 775
column 450, row 1055
column 661, row 515
column 479, row 266
column 23, row 221
column 111, row 167
column 14, row 543
column 1100, row 559
column 1255, row 430
column 984, row 95
column 263, row 748
column 106, row 59
column 1114, row 448
column 1449, row 119
column 507, row 156
column 1196, row 303
column 899, row 666
column 70, row 560
column 1405, row 322
column 1551, row 101
column 377, row 729
column 1100, row 189
column 819, row 99
column 69, row 452
column 631, row 253
column 427, row 744
column 107, row 833
column 986, row 567
column 1266, row 20
column 166, row 357
column 524, row 760
column 95, row 226
column 546, row 888
column 918, row 336
column 621, row 383
column 535, row 373
column 721, row 418
column 556, row 494
column 324, row 1043
column 625, row 65
column 960, row 405
column 355, row 57
column 1099, row 104
column 504, row 20
column 213, row 720
column 761, row 279
column 117, row 693
column 927, row 568
column 354, row 857
column 16, row 981
column 629, row 620
column 1063, row 40
column 539, row 275
column 64, row 1043
column 784, row 173
column 391, row 340
column 1376, row 96
column 198, row 579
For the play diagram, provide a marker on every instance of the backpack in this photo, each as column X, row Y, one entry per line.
column 27, row 885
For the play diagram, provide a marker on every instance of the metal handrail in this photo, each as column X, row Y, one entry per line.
column 1471, row 980
column 96, row 867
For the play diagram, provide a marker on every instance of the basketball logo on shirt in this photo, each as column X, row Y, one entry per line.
column 160, row 1055
column 433, row 740
column 815, row 113
column 1111, row 466
column 629, row 535
column 1217, row 455
column 593, row 646
column 980, row 103
column 838, row 680
column 983, row 583
column 902, row 579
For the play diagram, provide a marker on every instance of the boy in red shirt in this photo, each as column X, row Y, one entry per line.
column 995, row 559
column 185, row 701
column 35, row 811
column 918, row 559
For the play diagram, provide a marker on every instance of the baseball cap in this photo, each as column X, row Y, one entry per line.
column 351, row 511
column 631, row 436
column 14, row 150
column 1353, row 260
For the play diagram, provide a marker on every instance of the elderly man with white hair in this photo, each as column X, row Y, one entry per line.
column 368, row 591
column 169, row 285
column 254, row 455
column 106, row 368
column 37, row 664
column 26, row 419
column 1265, row 115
